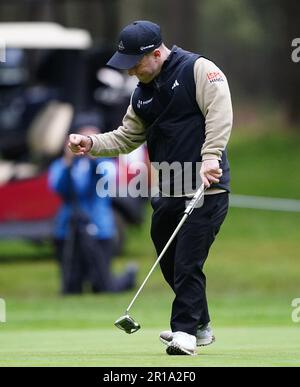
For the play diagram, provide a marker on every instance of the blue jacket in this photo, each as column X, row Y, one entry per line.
column 76, row 185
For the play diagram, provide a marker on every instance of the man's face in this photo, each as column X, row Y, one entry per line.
column 147, row 68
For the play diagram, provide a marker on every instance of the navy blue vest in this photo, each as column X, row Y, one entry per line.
column 175, row 125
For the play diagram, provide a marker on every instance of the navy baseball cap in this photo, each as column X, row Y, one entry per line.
column 135, row 40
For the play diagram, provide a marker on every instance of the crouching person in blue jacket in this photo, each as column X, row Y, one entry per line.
column 85, row 227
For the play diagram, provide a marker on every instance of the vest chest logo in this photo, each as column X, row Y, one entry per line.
column 175, row 84
column 141, row 103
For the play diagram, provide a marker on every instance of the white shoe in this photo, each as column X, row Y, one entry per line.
column 204, row 336
column 182, row 344
column 166, row 337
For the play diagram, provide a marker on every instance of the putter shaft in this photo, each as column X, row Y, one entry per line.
column 195, row 200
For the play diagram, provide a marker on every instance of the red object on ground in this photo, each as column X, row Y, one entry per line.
column 28, row 199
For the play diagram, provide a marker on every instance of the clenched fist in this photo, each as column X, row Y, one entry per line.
column 80, row 145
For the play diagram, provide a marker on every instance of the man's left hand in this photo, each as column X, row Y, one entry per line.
column 210, row 172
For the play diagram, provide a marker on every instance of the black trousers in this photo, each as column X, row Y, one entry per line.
column 86, row 260
column 182, row 264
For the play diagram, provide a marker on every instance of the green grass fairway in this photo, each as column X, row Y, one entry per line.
column 79, row 331
column 96, row 347
column 252, row 277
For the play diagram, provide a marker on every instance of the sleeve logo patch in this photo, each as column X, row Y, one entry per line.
column 215, row 76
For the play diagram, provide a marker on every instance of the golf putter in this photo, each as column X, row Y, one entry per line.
column 127, row 323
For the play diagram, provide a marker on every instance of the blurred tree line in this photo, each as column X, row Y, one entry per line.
column 251, row 40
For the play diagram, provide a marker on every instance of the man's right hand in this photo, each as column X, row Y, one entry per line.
column 80, row 145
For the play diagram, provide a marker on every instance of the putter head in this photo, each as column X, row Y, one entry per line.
column 127, row 324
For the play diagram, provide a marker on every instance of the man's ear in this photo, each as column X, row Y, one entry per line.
column 157, row 53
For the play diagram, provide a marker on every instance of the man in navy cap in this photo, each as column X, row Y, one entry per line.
column 136, row 40
column 182, row 108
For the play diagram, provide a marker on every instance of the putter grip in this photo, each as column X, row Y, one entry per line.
column 196, row 199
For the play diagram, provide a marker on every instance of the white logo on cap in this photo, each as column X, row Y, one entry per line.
column 142, row 48
column 121, row 46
